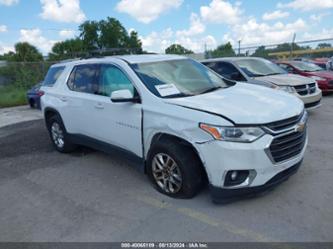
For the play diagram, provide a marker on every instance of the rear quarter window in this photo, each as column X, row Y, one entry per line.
column 52, row 76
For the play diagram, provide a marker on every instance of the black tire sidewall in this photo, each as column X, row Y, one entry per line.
column 188, row 164
column 32, row 103
column 68, row 146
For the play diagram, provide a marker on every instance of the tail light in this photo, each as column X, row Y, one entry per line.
column 40, row 93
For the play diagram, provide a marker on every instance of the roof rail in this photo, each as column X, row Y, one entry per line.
column 69, row 60
column 106, row 52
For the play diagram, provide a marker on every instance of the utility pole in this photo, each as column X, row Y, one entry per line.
column 292, row 45
column 206, row 54
column 239, row 47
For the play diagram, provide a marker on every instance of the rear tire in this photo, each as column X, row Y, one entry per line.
column 59, row 136
column 175, row 170
column 32, row 103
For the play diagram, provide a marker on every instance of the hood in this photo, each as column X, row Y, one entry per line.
column 286, row 79
column 323, row 74
column 245, row 104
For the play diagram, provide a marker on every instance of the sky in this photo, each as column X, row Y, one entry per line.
column 160, row 23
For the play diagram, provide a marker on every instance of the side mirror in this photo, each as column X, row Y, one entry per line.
column 236, row 76
column 122, row 96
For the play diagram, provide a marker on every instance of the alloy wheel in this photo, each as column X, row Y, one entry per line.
column 57, row 135
column 167, row 173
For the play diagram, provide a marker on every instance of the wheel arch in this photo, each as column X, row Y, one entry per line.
column 49, row 112
column 161, row 136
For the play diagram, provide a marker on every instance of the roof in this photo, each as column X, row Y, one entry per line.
column 292, row 61
column 132, row 59
column 232, row 59
column 147, row 58
column 321, row 60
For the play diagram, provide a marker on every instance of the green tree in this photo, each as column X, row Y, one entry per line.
column 89, row 34
column 25, row 66
column 112, row 34
column 177, row 49
column 224, row 50
column 134, row 43
column 261, row 52
column 25, row 52
column 109, row 36
column 67, row 49
column 324, row 45
column 284, row 47
column 8, row 56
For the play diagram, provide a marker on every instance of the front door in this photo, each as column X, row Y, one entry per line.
column 118, row 124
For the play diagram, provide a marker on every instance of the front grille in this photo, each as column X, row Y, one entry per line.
column 309, row 105
column 288, row 146
column 284, row 124
column 306, row 89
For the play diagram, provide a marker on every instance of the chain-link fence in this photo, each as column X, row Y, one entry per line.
column 317, row 48
column 16, row 78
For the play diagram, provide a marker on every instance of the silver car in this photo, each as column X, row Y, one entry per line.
column 266, row 73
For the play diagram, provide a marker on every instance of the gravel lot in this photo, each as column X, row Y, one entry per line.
column 90, row 196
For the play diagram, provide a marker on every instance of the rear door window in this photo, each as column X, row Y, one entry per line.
column 52, row 76
column 84, row 78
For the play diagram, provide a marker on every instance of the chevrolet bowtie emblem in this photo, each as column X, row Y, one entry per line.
column 300, row 127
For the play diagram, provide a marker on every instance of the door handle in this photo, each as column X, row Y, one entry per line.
column 99, row 106
column 63, row 99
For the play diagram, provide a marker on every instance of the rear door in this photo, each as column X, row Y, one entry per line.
column 77, row 99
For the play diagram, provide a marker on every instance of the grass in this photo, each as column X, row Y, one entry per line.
column 12, row 96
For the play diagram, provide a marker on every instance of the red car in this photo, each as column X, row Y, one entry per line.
column 324, row 78
column 322, row 62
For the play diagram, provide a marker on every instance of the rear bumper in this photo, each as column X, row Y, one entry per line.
column 221, row 195
column 36, row 100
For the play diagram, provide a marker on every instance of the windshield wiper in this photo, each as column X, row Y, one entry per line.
column 258, row 75
column 272, row 74
column 178, row 95
column 211, row 89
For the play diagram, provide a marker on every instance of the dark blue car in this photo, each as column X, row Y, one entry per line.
column 33, row 96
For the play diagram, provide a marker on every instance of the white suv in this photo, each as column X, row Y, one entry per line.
column 178, row 121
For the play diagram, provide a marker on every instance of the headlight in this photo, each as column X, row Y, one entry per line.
column 233, row 134
column 288, row 89
column 270, row 85
column 317, row 78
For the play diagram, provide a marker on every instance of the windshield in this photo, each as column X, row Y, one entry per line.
column 178, row 78
column 259, row 67
column 306, row 66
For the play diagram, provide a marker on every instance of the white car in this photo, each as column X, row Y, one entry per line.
column 178, row 121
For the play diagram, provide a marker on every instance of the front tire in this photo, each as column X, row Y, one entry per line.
column 174, row 170
column 59, row 136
